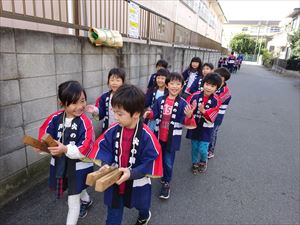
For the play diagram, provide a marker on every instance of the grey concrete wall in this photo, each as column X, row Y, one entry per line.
column 33, row 64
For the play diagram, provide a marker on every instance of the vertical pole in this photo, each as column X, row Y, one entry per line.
column 257, row 38
column 148, row 28
column 75, row 15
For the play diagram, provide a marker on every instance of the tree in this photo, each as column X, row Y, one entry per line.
column 243, row 43
column 295, row 44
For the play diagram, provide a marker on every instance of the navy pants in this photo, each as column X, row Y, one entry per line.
column 213, row 141
column 168, row 162
column 115, row 215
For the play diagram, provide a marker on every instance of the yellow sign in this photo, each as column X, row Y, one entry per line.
column 133, row 20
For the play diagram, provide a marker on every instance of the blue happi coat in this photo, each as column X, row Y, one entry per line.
column 196, row 85
column 102, row 103
column 180, row 116
column 205, row 127
column 81, row 134
column 186, row 75
column 152, row 81
column 225, row 97
column 148, row 162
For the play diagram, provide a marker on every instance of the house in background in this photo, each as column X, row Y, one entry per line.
column 279, row 45
column 259, row 29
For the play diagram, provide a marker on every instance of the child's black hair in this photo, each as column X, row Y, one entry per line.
column 163, row 72
column 160, row 72
column 213, row 79
column 163, row 63
column 198, row 60
column 175, row 76
column 69, row 92
column 130, row 98
column 210, row 65
column 118, row 72
column 223, row 72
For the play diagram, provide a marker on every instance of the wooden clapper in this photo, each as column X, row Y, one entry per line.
column 103, row 179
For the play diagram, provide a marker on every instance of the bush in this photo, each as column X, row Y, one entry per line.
column 267, row 57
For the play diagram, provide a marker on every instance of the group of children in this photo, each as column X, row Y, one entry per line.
column 197, row 100
column 232, row 63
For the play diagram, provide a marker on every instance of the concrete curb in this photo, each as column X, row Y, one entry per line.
column 23, row 181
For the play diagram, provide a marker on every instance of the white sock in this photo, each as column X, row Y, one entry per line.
column 84, row 196
column 74, row 209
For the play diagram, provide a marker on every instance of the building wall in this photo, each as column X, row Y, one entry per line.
column 175, row 10
column 180, row 13
column 34, row 63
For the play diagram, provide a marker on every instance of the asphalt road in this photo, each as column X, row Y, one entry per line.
column 253, row 179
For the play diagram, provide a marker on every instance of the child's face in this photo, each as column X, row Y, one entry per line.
column 195, row 65
column 115, row 82
column 160, row 80
column 124, row 117
column 209, row 89
column 174, row 87
column 206, row 70
column 76, row 109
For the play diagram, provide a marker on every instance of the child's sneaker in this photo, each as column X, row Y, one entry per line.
column 165, row 191
column 84, row 208
column 210, row 154
column 144, row 221
column 195, row 168
column 202, row 167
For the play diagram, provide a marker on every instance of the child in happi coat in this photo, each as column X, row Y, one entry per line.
column 220, row 62
column 161, row 64
column 157, row 91
column 190, row 74
column 171, row 112
column 230, row 62
column 130, row 145
column 74, row 134
column 206, row 104
column 225, row 96
column 197, row 85
column 102, row 108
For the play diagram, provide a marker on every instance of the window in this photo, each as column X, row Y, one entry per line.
column 296, row 23
column 271, row 48
column 245, row 29
column 274, row 29
column 202, row 11
column 190, row 4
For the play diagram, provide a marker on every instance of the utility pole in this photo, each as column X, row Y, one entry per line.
column 259, row 23
column 258, row 53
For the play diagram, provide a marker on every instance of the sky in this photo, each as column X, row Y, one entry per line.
column 258, row 9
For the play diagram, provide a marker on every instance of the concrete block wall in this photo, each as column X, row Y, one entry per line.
column 33, row 64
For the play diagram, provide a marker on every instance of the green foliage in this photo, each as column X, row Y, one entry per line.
column 295, row 44
column 244, row 43
column 267, row 57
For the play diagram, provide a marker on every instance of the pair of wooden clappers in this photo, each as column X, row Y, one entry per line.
column 103, row 179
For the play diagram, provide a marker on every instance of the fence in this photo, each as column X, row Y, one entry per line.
column 250, row 58
column 79, row 15
column 290, row 64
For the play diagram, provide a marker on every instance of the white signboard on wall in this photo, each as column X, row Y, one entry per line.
column 133, row 20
